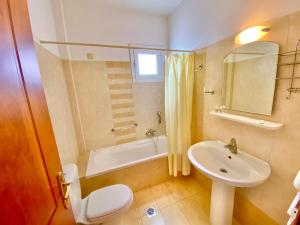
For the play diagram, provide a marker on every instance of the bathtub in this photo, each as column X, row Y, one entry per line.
column 109, row 159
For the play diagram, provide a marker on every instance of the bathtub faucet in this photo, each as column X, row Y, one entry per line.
column 150, row 133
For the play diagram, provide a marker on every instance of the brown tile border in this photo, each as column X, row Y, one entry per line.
column 120, row 86
column 121, row 96
column 122, row 106
column 123, row 115
column 125, row 123
column 115, row 64
column 119, row 76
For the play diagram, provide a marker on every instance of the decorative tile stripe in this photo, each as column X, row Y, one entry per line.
column 125, row 131
column 114, row 64
column 122, row 115
column 119, row 76
column 125, row 136
column 120, row 91
column 121, row 101
column 123, row 141
column 120, row 96
column 123, row 110
column 122, row 106
column 118, row 71
column 116, row 81
column 124, row 124
column 123, row 119
column 120, row 86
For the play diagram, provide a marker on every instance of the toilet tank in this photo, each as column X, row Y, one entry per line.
column 71, row 176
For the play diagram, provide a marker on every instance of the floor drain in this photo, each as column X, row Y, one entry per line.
column 223, row 170
column 150, row 212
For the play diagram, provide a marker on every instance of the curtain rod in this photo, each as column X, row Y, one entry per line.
column 112, row 46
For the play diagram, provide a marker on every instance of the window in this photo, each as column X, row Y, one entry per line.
column 147, row 66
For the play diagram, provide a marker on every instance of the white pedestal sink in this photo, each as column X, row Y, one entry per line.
column 227, row 171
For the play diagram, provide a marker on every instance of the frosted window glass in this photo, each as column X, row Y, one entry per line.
column 147, row 64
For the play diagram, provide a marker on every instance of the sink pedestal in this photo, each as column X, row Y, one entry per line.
column 227, row 171
column 222, row 199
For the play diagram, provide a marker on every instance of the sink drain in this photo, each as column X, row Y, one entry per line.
column 223, row 170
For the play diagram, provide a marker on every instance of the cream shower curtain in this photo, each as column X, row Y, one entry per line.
column 179, row 81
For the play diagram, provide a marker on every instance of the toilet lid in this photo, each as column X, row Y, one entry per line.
column 107, row 201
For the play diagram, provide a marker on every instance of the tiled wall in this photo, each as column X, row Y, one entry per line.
column 57, row 97
column 280, row 148
column 198, row 98
column 106, row 98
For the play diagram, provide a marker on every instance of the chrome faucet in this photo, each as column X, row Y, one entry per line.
column 232, row 146
column 150, row 133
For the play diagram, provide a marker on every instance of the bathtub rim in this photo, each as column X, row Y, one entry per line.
column 125, row 165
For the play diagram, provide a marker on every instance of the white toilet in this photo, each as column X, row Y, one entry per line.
column 104, row 206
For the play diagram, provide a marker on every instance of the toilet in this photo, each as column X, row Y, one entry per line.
column 105, row 206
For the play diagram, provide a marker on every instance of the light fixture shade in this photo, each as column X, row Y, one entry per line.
column 251, row 34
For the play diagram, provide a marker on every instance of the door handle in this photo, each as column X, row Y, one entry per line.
column 65, row 188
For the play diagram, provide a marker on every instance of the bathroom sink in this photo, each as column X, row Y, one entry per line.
column 217, row 162
column 227, row 171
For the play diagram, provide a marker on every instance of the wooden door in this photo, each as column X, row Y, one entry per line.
column 297, row 221
column 29, row 162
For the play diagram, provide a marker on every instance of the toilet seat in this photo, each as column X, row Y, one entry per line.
column 108, row 201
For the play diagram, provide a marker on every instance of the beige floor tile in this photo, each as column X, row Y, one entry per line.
column 191, row 185
column 155, row 220
column 180, row 201
column 143, row 196
column 133, row 213
column 172, row 215
column 235, row 222
column 144, row 199
column 132, row 218
column 162, row 195
column 177, row 189
column 203, row 200
column 194, row 212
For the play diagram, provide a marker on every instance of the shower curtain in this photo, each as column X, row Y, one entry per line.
column 179, row 81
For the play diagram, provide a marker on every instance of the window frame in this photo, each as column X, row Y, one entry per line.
column 137, row 77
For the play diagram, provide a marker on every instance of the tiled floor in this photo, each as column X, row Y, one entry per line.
column 177, row 202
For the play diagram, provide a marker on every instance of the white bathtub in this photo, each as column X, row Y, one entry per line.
column 105, row 160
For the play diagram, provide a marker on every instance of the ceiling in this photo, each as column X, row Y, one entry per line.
column 199, row 23
column 158, row 7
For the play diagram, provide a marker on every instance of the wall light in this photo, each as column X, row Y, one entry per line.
column 251, row 34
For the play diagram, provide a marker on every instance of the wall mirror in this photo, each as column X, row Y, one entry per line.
column 250, row 77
